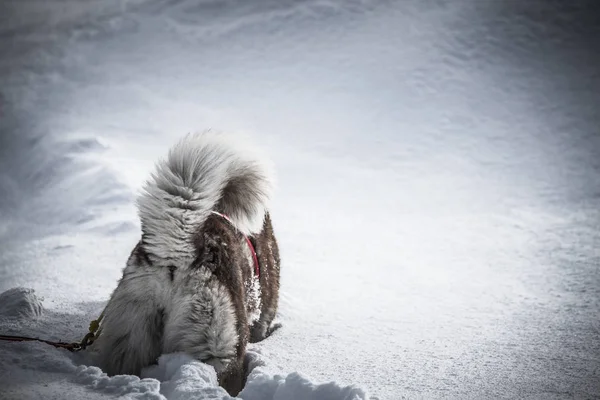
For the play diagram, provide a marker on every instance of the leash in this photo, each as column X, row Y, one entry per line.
column 87, row 340
column 248, row 241
column 73, row 347
column 93, row 331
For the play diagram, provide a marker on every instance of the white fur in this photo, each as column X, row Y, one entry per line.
column 201, row 321
column 198, row 319
column 128, row 338
column 148, row 314
column 190, row 183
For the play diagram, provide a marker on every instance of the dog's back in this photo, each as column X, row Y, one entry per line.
column 189, row 284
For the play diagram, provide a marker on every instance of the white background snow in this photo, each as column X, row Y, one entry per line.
column 438, row 187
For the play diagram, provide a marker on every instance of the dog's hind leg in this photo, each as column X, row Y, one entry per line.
column 132, row 328
column 267, row 251
column 264, row 327
column 202, row 322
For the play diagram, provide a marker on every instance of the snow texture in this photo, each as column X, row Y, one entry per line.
column 175, row 377
column 20, row 302
column 437, row 202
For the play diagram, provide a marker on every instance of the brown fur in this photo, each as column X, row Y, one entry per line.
column 220, row 248
column 267, row 252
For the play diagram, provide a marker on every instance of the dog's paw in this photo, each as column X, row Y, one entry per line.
column 259, row 333
column 273, row 328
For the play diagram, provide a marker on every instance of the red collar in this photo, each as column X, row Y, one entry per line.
column 248, row 241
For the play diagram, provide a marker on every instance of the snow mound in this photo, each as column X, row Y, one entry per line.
column 295, row 386
column 184, row 377
column 176, row 376
column 125, row 386
column 20, row 302
column 180, row 377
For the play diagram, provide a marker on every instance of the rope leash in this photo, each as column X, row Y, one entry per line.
column 73, row 347
column 88, row 339
column 93, row 331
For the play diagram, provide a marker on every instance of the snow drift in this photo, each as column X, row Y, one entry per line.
column 461, row 136
column 175, row 377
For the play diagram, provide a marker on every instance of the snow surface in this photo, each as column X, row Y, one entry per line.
column 437, row 204
column 20, row 302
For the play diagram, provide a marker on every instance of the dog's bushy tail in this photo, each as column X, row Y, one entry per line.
column 203, row 172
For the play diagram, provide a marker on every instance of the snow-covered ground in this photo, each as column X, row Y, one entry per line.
column 438, row 187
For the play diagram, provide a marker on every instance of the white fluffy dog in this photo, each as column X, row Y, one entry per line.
column 204, row 278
